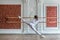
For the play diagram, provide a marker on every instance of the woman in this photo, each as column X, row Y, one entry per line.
column 32, row 24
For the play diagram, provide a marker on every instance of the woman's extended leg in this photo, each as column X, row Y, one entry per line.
column 34, row 29
column 24, row 20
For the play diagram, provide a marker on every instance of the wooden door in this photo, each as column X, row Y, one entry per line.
column 51, row 16
column 9, row 16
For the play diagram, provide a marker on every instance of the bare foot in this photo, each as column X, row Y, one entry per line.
column 19, row 16
column 42, row 36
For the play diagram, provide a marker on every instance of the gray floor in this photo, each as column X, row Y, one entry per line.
column 29, row 37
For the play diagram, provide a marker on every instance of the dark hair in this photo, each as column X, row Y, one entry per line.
column 36, row 17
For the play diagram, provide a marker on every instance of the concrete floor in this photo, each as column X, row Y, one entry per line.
column 29, row 37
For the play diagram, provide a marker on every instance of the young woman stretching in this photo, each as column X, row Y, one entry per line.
column 33, row 24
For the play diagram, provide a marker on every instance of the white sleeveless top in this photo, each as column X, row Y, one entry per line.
column 34, row 21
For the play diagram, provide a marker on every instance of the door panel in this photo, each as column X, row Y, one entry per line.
column 9, row 16
column 51, row 19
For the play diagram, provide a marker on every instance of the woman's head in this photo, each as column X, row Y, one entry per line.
column 36, row 17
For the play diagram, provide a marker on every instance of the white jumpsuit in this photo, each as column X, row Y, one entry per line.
column 32, row 25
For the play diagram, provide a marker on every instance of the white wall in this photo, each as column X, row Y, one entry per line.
column 10, row 1
column 29, row 10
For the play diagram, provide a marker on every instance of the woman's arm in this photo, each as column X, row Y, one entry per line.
column 38, row 21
